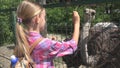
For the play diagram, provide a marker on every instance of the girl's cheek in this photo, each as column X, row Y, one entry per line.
column 42, row 26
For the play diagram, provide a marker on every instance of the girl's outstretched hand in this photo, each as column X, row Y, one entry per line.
column 76, row 17
column 76, row 22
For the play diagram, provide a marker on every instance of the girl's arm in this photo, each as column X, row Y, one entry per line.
column 76, row 22
column 68, row 47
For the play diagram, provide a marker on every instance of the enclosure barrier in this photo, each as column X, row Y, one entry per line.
column 75, row 60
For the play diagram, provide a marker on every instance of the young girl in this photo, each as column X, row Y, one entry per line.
column 31, row 20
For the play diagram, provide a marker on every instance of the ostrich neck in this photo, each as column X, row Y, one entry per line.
column 86, row 28
column 84, row 35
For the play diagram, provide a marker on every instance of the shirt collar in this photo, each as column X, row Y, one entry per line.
column 34, row 34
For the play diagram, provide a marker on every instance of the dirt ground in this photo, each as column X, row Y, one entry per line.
column 6, row 51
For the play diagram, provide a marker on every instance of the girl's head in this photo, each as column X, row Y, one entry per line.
column 31, row 17
column 30, row 14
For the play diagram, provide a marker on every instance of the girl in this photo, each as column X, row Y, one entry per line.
column 31, row 20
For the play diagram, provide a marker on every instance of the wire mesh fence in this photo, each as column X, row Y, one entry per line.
column 102, row 50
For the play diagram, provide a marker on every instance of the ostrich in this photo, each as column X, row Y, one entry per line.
column 85, row 37
column 99, row 45
column 81, row 53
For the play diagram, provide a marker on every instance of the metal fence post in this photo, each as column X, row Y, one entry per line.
column 13, row 25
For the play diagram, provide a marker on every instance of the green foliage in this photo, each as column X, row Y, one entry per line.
column 101, row 16
column 59, row 19
column 115, row 15
column 6, row 27
column 8, row 4
column 6, row 34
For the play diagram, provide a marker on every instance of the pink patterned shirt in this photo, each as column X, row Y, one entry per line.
column 44, row 53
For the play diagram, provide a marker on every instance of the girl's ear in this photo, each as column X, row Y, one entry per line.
column 37, row 19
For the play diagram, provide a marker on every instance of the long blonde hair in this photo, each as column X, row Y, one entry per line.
column 25, row 12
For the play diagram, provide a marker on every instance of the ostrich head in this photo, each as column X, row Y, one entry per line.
column 89, row 14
